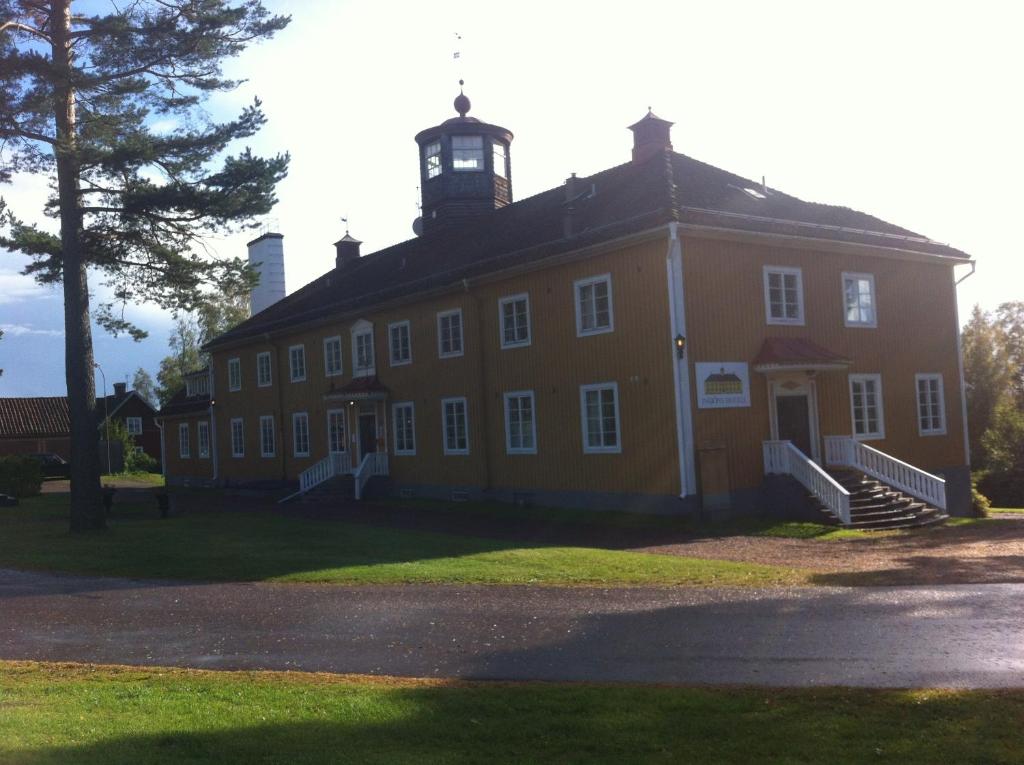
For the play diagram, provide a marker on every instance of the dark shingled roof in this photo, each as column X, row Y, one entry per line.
column 34, row 417
column 627, row 199
column 181, row 404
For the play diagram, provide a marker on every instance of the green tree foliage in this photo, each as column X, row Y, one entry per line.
column 134, row 462
column 142, row 384
column 1009, row 321
column 987, row 379
column 86, row 92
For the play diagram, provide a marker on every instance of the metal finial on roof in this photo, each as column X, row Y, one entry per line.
column 462, row 103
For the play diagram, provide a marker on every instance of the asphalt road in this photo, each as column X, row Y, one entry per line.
column 950, row 636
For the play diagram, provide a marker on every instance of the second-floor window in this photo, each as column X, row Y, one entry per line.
column 363, row 350
column 514, row 313
column 449, row 333
column 594, row 313
column 332, row 356
column 783, row 295
column 399, row 343
column 866, row 406
column 133, row 425
column 859, row 300
column 264, row 376
column 931, row 405
column 297, row 362
column 237, row 437
column 234, row 374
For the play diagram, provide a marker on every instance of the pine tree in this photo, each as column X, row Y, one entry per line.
column 79, row 100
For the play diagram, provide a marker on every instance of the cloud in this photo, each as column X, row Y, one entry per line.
column 19, row 330
column 15, row 287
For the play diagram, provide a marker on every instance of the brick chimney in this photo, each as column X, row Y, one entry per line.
column 120, row 389
column 651, row 135
column 347, row 249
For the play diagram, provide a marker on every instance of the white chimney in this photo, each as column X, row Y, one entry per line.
column 266, row 256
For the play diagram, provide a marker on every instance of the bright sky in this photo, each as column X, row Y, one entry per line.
column 909, row 111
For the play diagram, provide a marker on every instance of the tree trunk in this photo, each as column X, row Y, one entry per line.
column 86, row 496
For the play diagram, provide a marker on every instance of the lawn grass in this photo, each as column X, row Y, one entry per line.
column 1008, row 510
column 153, row 479
column 106, row 715
column 268, row 546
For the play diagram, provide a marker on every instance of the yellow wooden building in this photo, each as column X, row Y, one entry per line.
column 556, row 349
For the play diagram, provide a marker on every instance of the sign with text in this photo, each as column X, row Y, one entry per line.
column 722, row 384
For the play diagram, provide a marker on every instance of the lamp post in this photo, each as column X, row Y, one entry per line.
column 106, row 417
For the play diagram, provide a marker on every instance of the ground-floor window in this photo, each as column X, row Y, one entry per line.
column 300, row 434
column 454, row 424
column 237, row 437
column 866, row 406
column 599, row 411
column 336, row 430
column 183, row 446
column 268, row 445
column 520, row 425
column 931, row 405
column 203, row 438
column 404, row 419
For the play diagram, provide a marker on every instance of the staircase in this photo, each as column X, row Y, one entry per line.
column 875, row 506
column 334, row 490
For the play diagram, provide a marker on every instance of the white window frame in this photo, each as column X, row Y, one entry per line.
column 482, row 148
column 241, row 431
column 343, row 416
column 298, row 417
column 513, row 299
column 577, row 288
column 788, row 271
column 184, row 449
column 328, row 357
column 133, row 425
column 880, row 433
column 264, row 419
column 509, row 449
column 292, row 376
column 391, row 343
column 203, row 439
column 937, row 378
column 444, row 424
column 429, row 169
column 854, row 276
column 270, row 369
column 363, row 328
column 587, row 449
column 441, row 315
column 394, row 426
column 234, row 374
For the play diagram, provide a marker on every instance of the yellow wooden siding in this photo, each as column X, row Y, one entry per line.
column 194, row 466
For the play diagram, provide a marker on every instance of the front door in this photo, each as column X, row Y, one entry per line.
column 793, row 415
column 367, row 434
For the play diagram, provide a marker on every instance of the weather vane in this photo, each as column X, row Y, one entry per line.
column 344, row 219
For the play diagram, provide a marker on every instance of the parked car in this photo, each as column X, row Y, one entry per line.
column 54, row 466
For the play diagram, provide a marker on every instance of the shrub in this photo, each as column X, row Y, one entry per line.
column 20, row 476
column 979, row 502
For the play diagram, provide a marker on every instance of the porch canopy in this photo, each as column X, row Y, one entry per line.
column 791, row 354
column 359, row 389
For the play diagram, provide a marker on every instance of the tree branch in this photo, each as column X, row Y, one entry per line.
column 25, row 28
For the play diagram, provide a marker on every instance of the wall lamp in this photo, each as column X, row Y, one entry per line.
column 680, row 345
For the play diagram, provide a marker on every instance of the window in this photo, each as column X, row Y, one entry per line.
column 336, row 430
column 783, row 295
column 300, row 434
column 183, row 448
column 859, row 300
column 263, row 374
column 514, row 315
column 866, row 406
column 500, row 159
column 404, row 418
column 363, row 352
column 332, row 356
column 297, row 362
column 133, row 425
column 268, row 444
column 432, row 159
column 139, row 450
column 520, row 428
column 399, row 344
column 468, row 153
column 203, row 438
column 197, row 385
column 237, row 437
column 234, row 374
column 456, row 436
column 599, row 410
column 449, row 333
column 931, row 405
column 594, row 305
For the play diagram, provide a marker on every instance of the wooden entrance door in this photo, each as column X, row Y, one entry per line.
column 367, row 434
column 793, row 414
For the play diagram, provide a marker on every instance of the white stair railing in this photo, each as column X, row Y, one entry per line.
column 847, row 451
column 374, row 463
column 782, row 457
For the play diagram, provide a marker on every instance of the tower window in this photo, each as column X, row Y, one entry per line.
column 432, row 159
column 468, row 153
column 500, row 159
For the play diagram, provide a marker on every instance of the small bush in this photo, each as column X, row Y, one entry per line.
column 20, row 476
column 979, row 502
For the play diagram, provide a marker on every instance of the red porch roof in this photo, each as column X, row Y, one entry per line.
column 796, row 353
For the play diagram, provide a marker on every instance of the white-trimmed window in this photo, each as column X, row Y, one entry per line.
column 332, row 356
column 866, row 406
column 399, row 343
column 520, row 423
column 514, row 318
column 237, row 437
column 859, row 300
column 432, row 159
column 449, row 333
column 594, row 313
column 363, row 362
column 139, row 450
column 297, row 362
column 264, row 373
column 203, row 438
column 454, row 425
column 783, row 295
column 468, row 153
column 336, row 431
column 403, row 416
column 931, row 405
column 133, row 425
column 599, row 412
column 268, row 441
column 300, row 434
column 234, row 374
column 184, row 451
